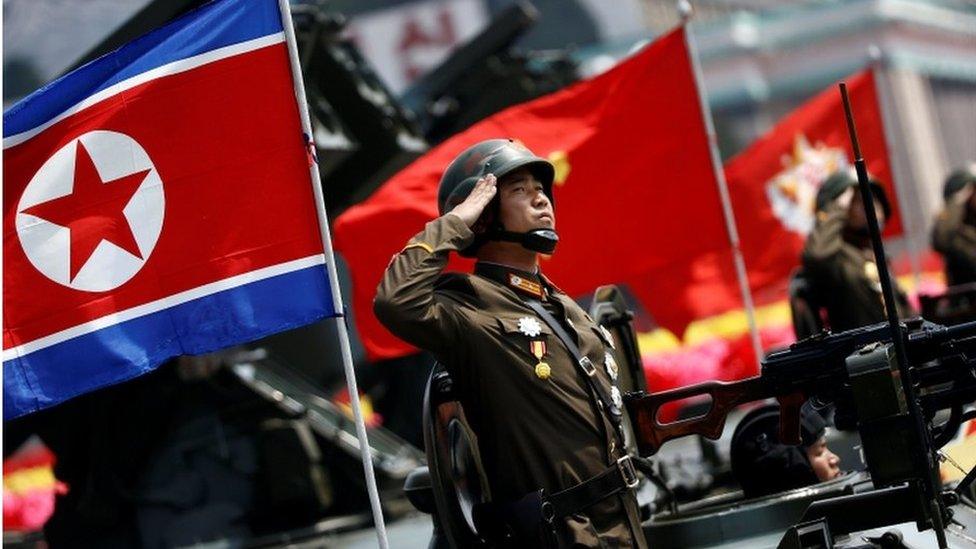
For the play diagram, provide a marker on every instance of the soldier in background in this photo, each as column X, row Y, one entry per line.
column 838, row 258
column 763, row 465
column 546, row 413
column 954, row 232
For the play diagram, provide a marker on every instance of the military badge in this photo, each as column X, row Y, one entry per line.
column 607, row 337
column 532, row 288
column 611, row 366
column 529, row 326
column 542, row 370
column 618, row 400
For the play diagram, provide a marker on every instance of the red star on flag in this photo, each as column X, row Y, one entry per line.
column 93, row 210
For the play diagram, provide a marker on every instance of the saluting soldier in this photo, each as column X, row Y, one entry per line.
column 838, row 258
column 954, row 232
column 534, row 373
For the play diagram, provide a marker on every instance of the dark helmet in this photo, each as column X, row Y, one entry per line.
column 499, row 157
column 839, row 181
column 957, row 180
column 495, row 156
column 761, row 464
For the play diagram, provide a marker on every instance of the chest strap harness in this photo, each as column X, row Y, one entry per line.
column 585, row 366
column 534, row 516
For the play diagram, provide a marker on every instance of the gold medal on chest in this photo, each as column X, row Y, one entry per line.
column 538, row 348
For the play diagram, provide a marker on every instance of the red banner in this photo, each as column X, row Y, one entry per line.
column 774, row 182
column 636, row 195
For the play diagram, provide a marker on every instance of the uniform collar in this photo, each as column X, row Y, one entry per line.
column 526, row 283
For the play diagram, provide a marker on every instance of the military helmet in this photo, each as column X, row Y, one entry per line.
column 957, row 180
column 494, row 156
column 839, row 181
column 761, row 463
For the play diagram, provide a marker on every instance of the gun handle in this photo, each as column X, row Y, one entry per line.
column 651, row 433
column 789, row 417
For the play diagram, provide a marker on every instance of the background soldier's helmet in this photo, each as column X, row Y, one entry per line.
column 495, row 156
column 839, row 181
column 957, row 180
column 761, row 463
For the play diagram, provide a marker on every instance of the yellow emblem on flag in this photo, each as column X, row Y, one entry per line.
column 560, row 160
column 792, row 193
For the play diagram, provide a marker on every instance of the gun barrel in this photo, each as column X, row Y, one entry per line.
column 926, row 344
column 966, row 329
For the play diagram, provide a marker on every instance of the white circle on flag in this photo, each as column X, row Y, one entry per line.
column 48, row 245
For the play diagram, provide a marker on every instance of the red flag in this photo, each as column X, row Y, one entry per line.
column 635, row 188
column 773, row 183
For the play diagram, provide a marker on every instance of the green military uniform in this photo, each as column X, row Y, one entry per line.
column 537, row 427
column 844, row 276
column 954, row 236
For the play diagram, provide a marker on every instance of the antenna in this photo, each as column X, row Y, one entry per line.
column 930, row 488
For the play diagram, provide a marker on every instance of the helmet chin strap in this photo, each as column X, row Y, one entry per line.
column 542, row 241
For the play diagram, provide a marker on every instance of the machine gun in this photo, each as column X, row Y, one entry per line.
column 888, row 381
column 828, row 367
column 856, row 370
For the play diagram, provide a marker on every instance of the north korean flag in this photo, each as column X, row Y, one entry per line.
column 158, row 201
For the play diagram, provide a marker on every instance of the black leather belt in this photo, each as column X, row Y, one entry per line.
column 537, row 512
column 622, row 476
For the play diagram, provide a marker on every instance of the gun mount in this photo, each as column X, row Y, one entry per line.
column 857, row 371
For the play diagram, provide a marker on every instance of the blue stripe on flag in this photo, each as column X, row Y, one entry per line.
column 215, row 25
column 54, row 374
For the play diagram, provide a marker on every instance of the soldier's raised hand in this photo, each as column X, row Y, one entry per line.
column 963, row 195
column 845, row 198
column 470, row 210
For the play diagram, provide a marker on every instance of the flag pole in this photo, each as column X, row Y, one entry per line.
column 364, row 448
column 685, row 9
